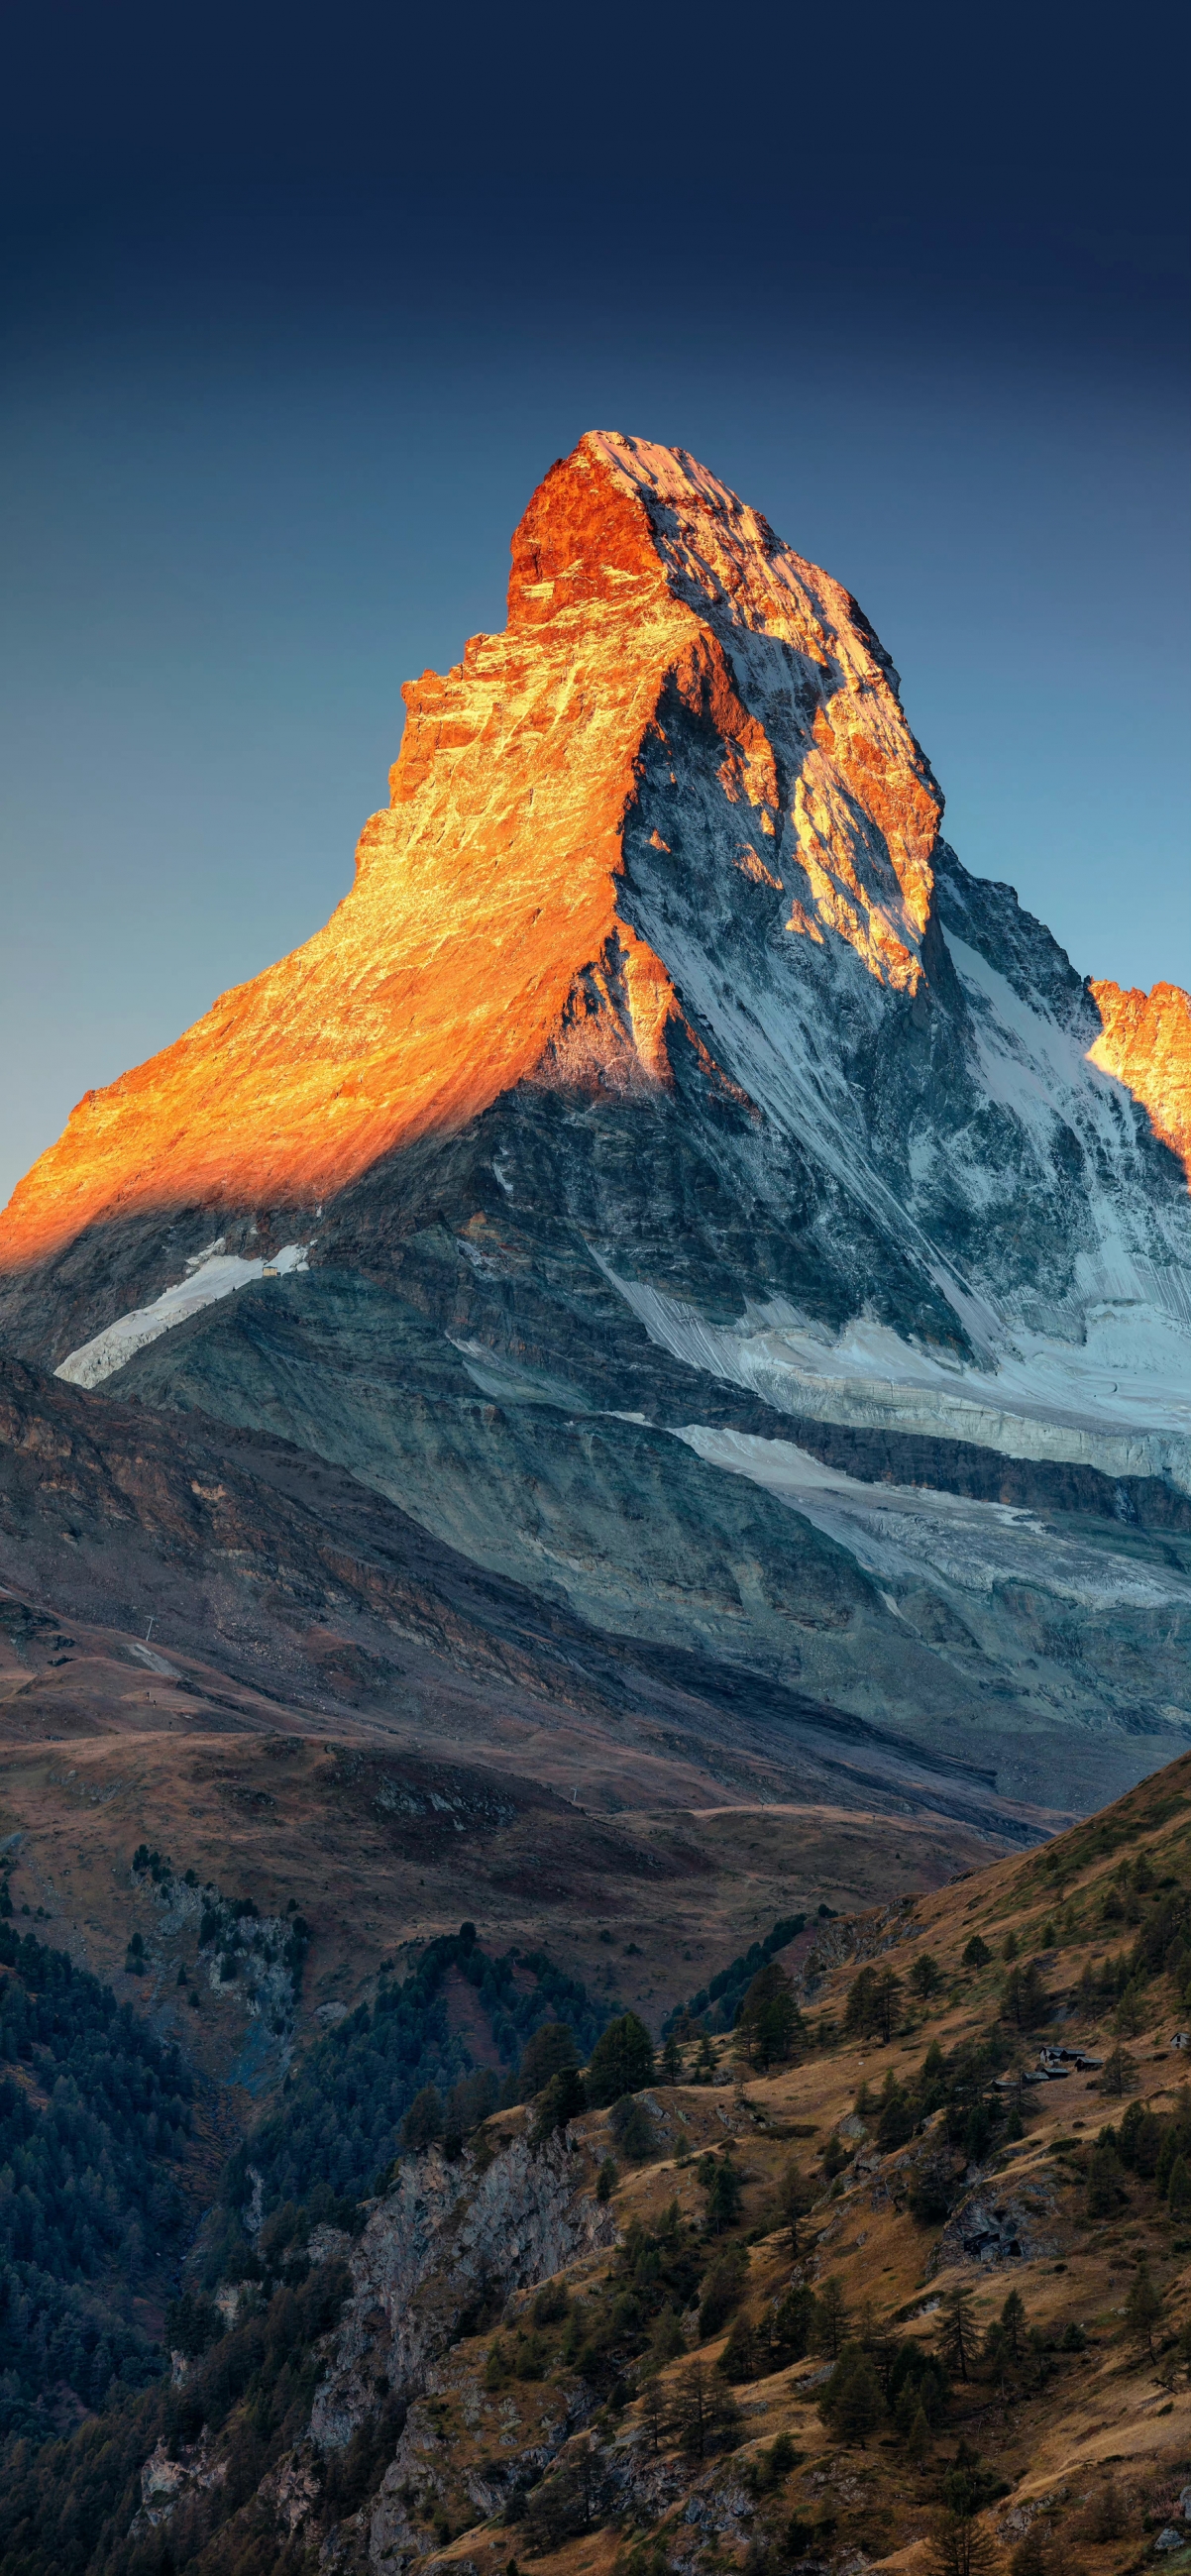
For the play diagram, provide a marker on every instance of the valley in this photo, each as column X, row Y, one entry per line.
column 388, row 1834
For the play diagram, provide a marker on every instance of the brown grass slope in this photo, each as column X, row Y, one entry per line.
column 1089, row 2433
column 678, row 2400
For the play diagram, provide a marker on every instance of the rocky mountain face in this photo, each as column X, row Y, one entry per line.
column 1145, row 1040
column 679, row 1186
column 319, row 1602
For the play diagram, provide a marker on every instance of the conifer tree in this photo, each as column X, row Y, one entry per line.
column 1013, row 2321
column 423, row 2121
column 886, row 2006
column 994, row 2351
column 562, row 2100
column 768, row 2024
column 830, row 2327
column 703, row 2409
column 549, row 2050
column 1104, row 2179
column 725, row 2196
column 666, row 2340
column 1178, row 2189
column 962, row 2546
column 1129, row 2017
column 959, row 2330
column 621, row 2062
column 851, row 2402
column 1143, row 2307
column 793, row 2322
column 1026, row 2001
column 793, row 2196
column 917, row 2441
column 859, row 2006
column 740, row 2358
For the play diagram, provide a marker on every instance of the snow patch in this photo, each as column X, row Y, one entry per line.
column 1119, row 1401
column 153, row 1662
column 209, row 1275
column 917, row 1533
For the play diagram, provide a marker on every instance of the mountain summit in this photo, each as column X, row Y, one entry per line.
column 490, row 934
column 689, row 1191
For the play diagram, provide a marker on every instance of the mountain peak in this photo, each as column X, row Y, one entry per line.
column 585, row 536
column 668, row 838
column 619, row 510
column 489, row 936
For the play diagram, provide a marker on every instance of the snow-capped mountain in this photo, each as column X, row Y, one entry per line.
column 686, row 1188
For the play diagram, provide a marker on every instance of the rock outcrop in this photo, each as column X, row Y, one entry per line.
column 450, row 2243
column 1145, row 1042
column 447, row 2239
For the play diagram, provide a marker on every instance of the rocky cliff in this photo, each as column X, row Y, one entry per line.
column 666, row 1117
column 447, row 2240
column 1145, row 1041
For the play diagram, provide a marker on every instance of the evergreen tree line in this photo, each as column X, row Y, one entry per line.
column 632, row 2322
column 91, row 2129
column 1160, row 1909
column 67, row 2507
column 1153, row 2145
column 1162, row 1947
column 548, row 2075
column 715, row 2006
column 954, row 2081
column 339, row 2122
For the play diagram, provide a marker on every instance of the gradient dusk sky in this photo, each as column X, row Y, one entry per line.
column 299, row 307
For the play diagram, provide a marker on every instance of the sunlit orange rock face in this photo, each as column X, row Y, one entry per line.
column 1146, row 1043
column 488, row 936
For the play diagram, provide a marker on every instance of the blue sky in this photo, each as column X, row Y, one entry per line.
column 297, row 312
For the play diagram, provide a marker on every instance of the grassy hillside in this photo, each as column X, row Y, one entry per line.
column 878, row 2301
